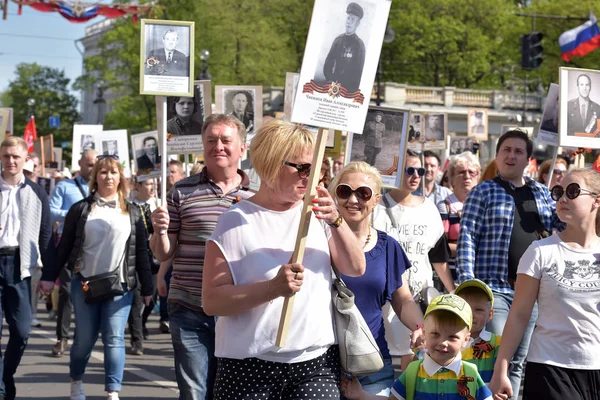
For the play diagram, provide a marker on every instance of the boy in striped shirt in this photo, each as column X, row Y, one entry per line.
column 442, row 374
column 483, row 346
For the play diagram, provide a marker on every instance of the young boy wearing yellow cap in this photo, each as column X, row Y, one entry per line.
column 482, row 349
column 442, row 374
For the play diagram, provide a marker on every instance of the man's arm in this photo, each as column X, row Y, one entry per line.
column 56, row 202
column 46, row 247
column 470, row 230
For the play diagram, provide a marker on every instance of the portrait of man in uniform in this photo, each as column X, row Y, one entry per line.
column 346, row 58
column 476, row 123
column 582, row 111
column 175, row 63
column 241, row 108
column 373, row 137
column 109, row 148
column 150, row 157
column 434, row 127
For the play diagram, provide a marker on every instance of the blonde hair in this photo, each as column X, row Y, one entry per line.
column 467, row 158
column 12, row 141
column 591, row 178
column 277, row 142
column 224, row 119
column 196, row 169
column 360, row 167
column 110, row 163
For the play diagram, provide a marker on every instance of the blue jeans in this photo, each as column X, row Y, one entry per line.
column 16, row 307
column 380, row 382
column 502, row 304
column 108, row 317
column 163, row 307
column 193, row 335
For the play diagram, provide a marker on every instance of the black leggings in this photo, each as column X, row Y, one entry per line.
column 543, row 381
column 252, row 378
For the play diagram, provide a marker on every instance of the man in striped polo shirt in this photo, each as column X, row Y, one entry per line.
column 194, row 205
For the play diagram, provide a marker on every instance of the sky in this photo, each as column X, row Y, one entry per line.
column 45, row 38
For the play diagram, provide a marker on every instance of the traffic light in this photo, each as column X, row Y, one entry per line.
column 531, row 50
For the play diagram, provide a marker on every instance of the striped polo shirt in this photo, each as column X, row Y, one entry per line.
column 483, row 352
column 435, row 382
column 195, row 204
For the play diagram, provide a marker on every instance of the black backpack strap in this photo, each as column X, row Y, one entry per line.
column 83, row 193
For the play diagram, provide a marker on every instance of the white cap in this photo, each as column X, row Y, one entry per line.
column 29, row 166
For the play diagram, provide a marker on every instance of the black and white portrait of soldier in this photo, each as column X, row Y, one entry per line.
column 434, row 127
column 87, row 142
column 183, row 118
column 582, row 111
column 240, row 104
column 150, row 157
column 172, row 62
column 477, row 123
column 346, row 57
column 110, row 148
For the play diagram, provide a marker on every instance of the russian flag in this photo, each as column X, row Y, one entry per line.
column 579, row 41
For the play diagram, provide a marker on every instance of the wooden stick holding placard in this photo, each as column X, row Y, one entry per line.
column 551, row 172
column 298, row 256
column 164, row 167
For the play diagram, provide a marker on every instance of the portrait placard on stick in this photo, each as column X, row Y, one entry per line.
column 146, row 152
column 244, row 103
column 414, row 132
column 167, row 57
column 579, row 108
column 478, row 124
column 434, row 126
column 6, row 121
column 291, row 85
column 340, row 62
column 83, row 139
column 548, row 132
column 114, row 143
column 382, row 143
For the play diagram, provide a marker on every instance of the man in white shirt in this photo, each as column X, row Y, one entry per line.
column 25, row 243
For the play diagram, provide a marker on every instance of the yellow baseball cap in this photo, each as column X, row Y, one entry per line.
column 454, row 304
column 476, row 283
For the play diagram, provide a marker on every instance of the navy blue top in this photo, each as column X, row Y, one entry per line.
column 386, row 263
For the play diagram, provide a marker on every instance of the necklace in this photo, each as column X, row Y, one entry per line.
column 368, row 238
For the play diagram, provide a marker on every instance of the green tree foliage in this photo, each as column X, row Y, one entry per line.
column 50, row 89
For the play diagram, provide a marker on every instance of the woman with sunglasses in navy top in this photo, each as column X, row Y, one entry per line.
column 561, row 273
column 356, row 192
column 416, row 224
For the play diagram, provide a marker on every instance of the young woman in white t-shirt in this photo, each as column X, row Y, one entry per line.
column 561, row 273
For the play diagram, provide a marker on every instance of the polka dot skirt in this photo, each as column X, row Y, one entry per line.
column 252, row 378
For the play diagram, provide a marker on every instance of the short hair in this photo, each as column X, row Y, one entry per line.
column 33, row 155
column 12, row 141
column 170, row 31
column 224, row 119
column 110, row 163
column 85, row 152
column 516, row 134
column 277, row 142
column 429, row 153
column 196, row 169
column 445, row 318
column 465, row 158
column 586, row 76
column 474, row 292
column 411, row 154
column 178, row 163
column 149, row 138
column 246, row 95
column 360, row 167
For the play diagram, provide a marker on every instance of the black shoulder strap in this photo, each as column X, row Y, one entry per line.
column 540, row 229
column 83, row 193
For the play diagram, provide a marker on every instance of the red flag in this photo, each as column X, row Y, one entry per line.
column 596, row 165
column 30, row 134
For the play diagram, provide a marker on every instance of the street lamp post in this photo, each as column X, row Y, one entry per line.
column 100, row 103
column 204, row 74
column 31, row 111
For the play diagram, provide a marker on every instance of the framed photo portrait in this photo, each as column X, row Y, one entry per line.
column 291, row 85
column 84, row 137
column 414, row 132
column 166, row 57
column 6, row 121
column 434, row 127
column 114, row 143
column 185, row 117
column 460, row 144
column 382, row 143
column 244, row 103
column 340, row 62
column 147, row 154
column 333, row 147
column 478, row 124
column 548, row 132
column 579, row 108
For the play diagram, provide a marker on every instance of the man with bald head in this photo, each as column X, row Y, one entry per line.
column 67, row 193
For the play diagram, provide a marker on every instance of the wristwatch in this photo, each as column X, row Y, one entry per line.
column 337, row 223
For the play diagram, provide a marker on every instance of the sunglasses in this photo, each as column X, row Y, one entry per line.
column 363, row 193
column 572, row 191
column 410, row 171
column 303, row 169
column 559, row 172
column 103, row 156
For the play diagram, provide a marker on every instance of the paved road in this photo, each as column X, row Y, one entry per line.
column 43, row 376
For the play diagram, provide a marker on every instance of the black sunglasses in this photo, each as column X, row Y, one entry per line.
column 410, row 171
column 303, row 169
column 363, row 193
column 103, row 156
column 572, row 191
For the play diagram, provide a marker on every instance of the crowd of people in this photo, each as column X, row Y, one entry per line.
column 450, row 276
